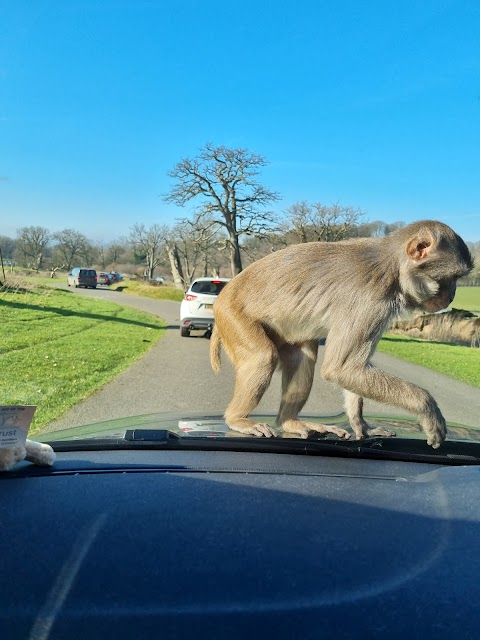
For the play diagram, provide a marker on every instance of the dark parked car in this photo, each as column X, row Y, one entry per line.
column 81, row 277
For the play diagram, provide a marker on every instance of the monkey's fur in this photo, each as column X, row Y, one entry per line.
column 274, row 313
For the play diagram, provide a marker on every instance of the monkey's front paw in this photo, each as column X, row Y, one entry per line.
column 303, row 429
column 248, row 427
column 435, row 429
column 380, row 431
column 263, row 429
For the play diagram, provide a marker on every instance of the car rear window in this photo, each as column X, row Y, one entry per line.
column 213, row 287
column 88, row 273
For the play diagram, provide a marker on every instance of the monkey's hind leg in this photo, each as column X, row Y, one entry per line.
column 254, row 361
column 298, row 368
column 354, row 410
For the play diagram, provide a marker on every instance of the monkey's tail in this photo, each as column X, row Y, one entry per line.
column 215, row 343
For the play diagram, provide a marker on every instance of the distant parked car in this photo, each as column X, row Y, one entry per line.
column 105, row 278
column 82, row 277
column 116, row 277
column 196, row 309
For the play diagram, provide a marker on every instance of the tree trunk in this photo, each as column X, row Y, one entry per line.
column 175, row 265
column 235, row 255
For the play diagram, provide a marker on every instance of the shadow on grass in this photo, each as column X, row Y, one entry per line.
column 419, row 341
column 70, row 313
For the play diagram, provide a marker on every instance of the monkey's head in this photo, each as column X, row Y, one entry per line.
column 434, row 258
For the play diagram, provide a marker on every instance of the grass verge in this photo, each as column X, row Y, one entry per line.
column 467, row 298
column 461, row 363
column 138, row 288
column 57, row 348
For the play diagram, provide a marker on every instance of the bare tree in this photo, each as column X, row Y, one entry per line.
column 101, row 249
column 71, row 246
column 225, row 183
column 55, row 268
column 318, row 222
column 7, row 246
column 2, row 267
column 393, row 226
column 116, row 251
column 32, row 243
column 88, row 253
column 192, row 247
column 374, row 229
column 175, row 264
column 148, row 245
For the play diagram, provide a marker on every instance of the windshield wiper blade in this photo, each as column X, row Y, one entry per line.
column 378, row 448
column 132, row 439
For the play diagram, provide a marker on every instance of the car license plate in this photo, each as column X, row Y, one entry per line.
column 208, row 306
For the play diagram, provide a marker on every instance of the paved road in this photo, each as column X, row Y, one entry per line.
column 175, row 375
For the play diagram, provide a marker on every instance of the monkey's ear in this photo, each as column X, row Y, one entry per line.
column 419, row 248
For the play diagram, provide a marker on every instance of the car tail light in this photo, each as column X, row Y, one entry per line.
column 190, row 297
column 217, row 281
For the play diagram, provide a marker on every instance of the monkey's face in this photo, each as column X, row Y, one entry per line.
column 438, row 257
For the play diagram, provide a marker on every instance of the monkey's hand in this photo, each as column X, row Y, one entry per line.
column 303, row 429
column 362, row 430
column 379, row 431
column 435, row 428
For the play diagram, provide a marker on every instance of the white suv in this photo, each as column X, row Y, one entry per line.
column 196, row 309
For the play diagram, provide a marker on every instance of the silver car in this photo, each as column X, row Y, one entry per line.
column 196, row 308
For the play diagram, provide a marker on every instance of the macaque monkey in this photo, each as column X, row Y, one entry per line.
column 275, row 312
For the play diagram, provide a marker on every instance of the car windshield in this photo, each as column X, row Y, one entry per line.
column 277, row 154
column 211, row 287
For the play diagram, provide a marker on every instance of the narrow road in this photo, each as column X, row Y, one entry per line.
column 175, row 375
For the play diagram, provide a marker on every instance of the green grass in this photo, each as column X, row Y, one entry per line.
column 461, row 363
column 467, row 298
column 132, row 287
column 139, row 288
column 57, row 348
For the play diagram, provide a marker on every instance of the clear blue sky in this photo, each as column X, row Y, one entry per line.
column 368, row 104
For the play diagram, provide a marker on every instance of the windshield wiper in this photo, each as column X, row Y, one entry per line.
column 452, row 452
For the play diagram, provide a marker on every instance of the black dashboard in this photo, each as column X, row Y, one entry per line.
column 210, row 544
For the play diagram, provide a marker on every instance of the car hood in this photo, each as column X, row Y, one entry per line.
column 187, row 424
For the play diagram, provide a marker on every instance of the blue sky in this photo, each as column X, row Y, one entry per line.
column 370, row 104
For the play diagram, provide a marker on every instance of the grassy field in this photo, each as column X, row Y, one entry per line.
column 58, row 348
column 467, row 298
column 461, row 363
